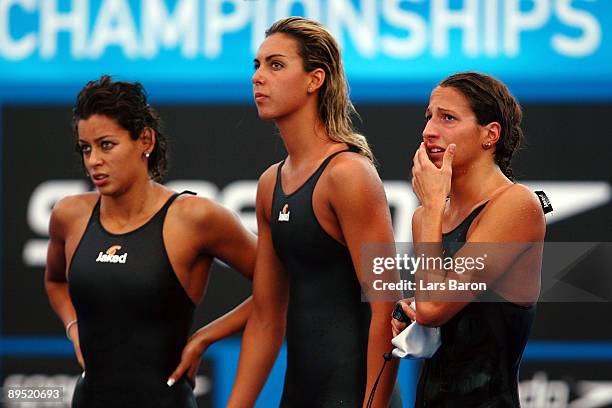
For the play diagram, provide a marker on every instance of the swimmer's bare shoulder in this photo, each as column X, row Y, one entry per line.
column 515, row 215
column 203, row 222
column 197, row 212
column 70, row 213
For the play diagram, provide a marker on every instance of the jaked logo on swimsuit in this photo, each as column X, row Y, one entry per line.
column 284, row 215
column 110, row 257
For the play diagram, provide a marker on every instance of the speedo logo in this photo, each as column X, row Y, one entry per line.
column 284, row 214
column 110, row 255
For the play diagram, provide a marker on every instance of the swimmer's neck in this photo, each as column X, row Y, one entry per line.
column 474, row 185
column 138, row 199
column 305, row 138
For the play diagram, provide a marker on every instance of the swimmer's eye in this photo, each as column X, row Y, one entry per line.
column 427, row 118
column 84, row 148
column 106, row 145
column 448, row 118
column 256, row 66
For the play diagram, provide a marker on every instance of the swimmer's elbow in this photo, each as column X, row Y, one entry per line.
column 431, row 314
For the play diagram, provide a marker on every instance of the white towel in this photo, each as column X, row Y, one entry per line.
column 416, row 341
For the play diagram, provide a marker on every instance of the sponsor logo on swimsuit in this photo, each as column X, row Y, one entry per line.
column 546, row 205
column 284, row 215
column 110, row 255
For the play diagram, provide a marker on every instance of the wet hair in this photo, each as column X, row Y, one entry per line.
column 318, row 49
column 491, row 101
column 125, row 103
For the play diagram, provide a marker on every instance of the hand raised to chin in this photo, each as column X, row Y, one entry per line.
column 431, row 184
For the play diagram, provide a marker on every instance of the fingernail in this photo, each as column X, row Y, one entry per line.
column 170, row 382
column 451, row 148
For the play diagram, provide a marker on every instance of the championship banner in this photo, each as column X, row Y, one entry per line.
column 393, row 49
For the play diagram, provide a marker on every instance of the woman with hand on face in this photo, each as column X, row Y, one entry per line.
column 314, row 210
column 127, row 264
column 462, row 176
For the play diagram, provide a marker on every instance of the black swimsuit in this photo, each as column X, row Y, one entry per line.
column 134, row 317
column 327, row 323
column 477, row 363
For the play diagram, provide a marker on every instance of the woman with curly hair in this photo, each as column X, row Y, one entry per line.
column 128, row 263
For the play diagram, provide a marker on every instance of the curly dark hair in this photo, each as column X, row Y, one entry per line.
column 491, row 101
column 126, row 103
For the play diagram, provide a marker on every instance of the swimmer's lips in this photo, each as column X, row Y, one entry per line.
column 99, row 179
column 435, row 151
column 259, row 96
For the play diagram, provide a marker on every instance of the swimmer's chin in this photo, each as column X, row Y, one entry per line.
column 265, row 116
column 437, row 163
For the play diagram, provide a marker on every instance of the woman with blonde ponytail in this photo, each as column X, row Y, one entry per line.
column 314, row 209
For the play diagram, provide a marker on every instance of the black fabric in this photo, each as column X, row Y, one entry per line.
column 134, row 317
column 544, row 201
column 478, row 360
column 327, row 323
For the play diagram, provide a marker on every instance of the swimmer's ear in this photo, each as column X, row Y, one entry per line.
column 317, row 78
column 147, row 139
column 493, row 133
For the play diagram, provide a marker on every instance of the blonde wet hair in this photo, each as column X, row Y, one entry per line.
column 319, row 49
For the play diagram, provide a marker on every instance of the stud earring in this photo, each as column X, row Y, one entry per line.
column 147, row 154
column 486, row 145
column 309, row 90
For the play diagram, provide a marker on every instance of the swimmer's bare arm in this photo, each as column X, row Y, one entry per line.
column 514, row 218
column 220, row 234
column 360, row 203
column 56, row 285
column 265, row 329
